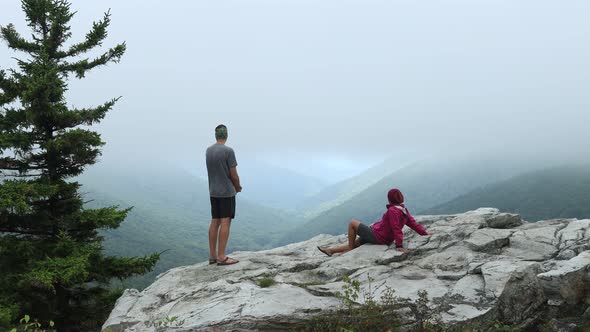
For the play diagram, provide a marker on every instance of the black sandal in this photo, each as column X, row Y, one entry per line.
column 224, row 262
column 212, row 261
column 327, row 253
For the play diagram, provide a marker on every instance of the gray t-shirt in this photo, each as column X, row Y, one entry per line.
column 220, row 158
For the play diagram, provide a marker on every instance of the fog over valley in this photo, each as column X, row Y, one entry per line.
column 330, row 89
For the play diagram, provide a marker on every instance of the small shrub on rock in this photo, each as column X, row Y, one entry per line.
column 266, row 282
column 373, row 315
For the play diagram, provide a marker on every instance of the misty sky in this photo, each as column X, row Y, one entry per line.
column 330, row 87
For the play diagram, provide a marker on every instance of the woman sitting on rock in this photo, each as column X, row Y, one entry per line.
column 385, row 231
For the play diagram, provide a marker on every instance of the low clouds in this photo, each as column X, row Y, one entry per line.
column 355, row 80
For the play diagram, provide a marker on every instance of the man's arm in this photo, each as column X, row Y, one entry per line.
column 235, row 179
column 233, row 171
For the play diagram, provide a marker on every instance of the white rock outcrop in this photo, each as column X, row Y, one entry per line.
column 481, row 263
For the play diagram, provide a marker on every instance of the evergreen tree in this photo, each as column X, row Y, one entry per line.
column 51, row 255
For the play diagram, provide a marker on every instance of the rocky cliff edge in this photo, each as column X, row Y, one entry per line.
column 481, row 263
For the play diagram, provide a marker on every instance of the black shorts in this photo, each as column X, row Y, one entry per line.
column 223, row 207
column 366, row 234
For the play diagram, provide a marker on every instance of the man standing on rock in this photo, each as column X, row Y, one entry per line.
column 224, row 184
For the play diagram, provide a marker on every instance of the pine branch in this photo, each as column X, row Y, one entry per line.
column 124, row 267
column 90, row 116
column 74, row 149
column 24, row 176
column 11, row 164
column 59, row 16
column 85, row 116
column 93, row 39
column 81, row 67
column 36, row 14
column 16, row 42
column 109, row 217
column 53, row 271
column 28, row 231
column 21, row 231
column 21, row 140
column 19, row 176
column 11, row 120
column 8, row 89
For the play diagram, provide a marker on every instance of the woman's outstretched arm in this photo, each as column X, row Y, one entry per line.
column 416, row 226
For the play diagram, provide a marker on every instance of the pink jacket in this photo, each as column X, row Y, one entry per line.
column 389, row 228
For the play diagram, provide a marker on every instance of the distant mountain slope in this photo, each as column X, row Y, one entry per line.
column 424, row 184
column 562, row 192
column 340, row 192
column 275, row 186
column 172, row 212
column 269, row 185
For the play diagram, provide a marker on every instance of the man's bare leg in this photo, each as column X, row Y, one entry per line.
column 223, row 237
column 213, row 231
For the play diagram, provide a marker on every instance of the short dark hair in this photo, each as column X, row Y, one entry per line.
column 221, row 132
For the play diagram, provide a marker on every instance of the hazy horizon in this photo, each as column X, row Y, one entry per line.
column 330, row 89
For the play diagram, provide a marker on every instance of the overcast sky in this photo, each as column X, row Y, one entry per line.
column 336, row 85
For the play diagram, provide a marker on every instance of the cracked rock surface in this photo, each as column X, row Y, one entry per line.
column 481, row 263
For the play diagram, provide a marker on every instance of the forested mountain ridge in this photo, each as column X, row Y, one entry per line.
column 559, row 192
